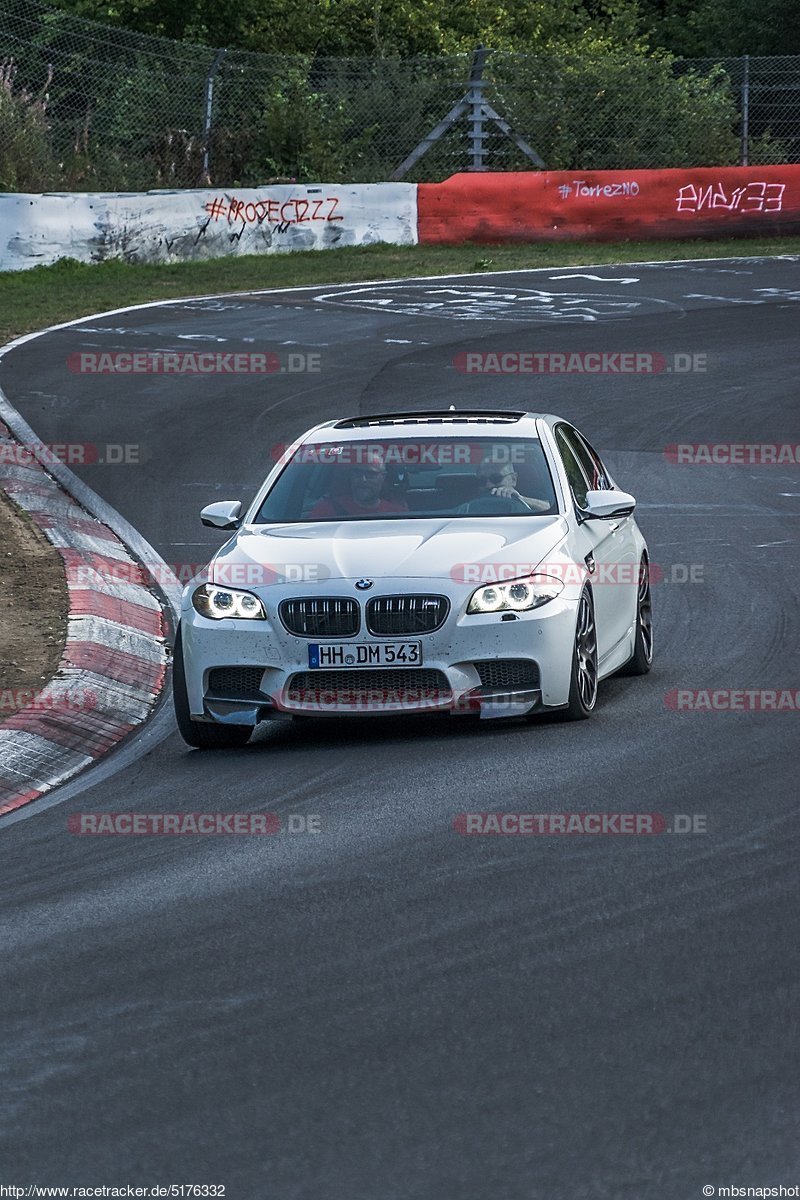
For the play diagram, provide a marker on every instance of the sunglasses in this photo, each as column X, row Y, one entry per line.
column 498, row 478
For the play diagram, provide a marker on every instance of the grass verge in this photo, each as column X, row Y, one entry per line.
column 33, row 609
column 44, row 296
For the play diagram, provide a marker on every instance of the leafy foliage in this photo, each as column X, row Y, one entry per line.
column 603, row 107
column 125, row 110
column 26, row 158
column 722, row 28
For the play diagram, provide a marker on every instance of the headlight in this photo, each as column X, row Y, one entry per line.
column 219, row 602
column 518, row 595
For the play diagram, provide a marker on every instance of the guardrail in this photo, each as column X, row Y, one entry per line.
column 181, row 226
column 530, row 206
column 536, row 206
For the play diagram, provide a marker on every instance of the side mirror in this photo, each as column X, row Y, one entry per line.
column 608, row 504
column 225, row 514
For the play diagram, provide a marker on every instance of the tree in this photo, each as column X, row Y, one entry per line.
column 723, row 28
column 369, row 27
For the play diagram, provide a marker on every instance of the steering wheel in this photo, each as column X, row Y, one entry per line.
column 499, row 505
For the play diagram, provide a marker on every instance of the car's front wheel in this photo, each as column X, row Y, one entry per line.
column 201, row 734
column 642, row 658
column 583, row 680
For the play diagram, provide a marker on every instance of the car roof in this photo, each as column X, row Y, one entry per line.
column 476, row 422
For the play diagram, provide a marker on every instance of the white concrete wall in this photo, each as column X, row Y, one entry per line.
column 160, row 227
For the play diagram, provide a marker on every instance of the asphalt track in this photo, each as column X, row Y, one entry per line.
column 387, row 1009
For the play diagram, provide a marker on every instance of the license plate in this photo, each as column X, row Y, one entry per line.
column 364, row 654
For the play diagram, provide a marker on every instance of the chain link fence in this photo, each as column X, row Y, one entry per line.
column 87, row 106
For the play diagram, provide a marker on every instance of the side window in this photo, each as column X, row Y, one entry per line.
column 578, row 481
column 601, row 480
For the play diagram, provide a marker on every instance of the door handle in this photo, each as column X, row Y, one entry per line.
column 590, row 564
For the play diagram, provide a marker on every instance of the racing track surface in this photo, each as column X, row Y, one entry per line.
column 389, row 1010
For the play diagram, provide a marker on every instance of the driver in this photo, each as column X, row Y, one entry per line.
column 363, row 497
column 500, row 479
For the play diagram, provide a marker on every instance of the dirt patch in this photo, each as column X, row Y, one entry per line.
column 33, row 608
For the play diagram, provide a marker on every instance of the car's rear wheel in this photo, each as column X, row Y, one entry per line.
column 201, row 734
column 583, row 679
column 642, row 658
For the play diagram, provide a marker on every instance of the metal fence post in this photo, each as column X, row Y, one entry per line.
column 745, row 112
column 205, row 178
column 476, row 85
column 473, row 105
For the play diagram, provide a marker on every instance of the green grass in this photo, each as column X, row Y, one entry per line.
column 43, row 296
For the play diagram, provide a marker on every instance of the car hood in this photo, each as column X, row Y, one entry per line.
column 425, row 548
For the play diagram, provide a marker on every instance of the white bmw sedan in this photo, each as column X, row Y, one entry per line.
column 478, row 562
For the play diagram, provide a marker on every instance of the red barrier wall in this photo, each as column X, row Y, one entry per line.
column 534, row 206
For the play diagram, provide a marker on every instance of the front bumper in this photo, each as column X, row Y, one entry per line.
column 243, row 672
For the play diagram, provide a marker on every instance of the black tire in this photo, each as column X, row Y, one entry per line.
column 201, row 734
column 642, row 659
column 583, row 677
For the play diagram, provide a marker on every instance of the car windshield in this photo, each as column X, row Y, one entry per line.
column 408, row 478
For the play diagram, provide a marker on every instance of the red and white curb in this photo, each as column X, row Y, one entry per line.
column 114, row 661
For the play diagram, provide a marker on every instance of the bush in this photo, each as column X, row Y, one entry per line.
column 604, row 108
column 27, row 162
